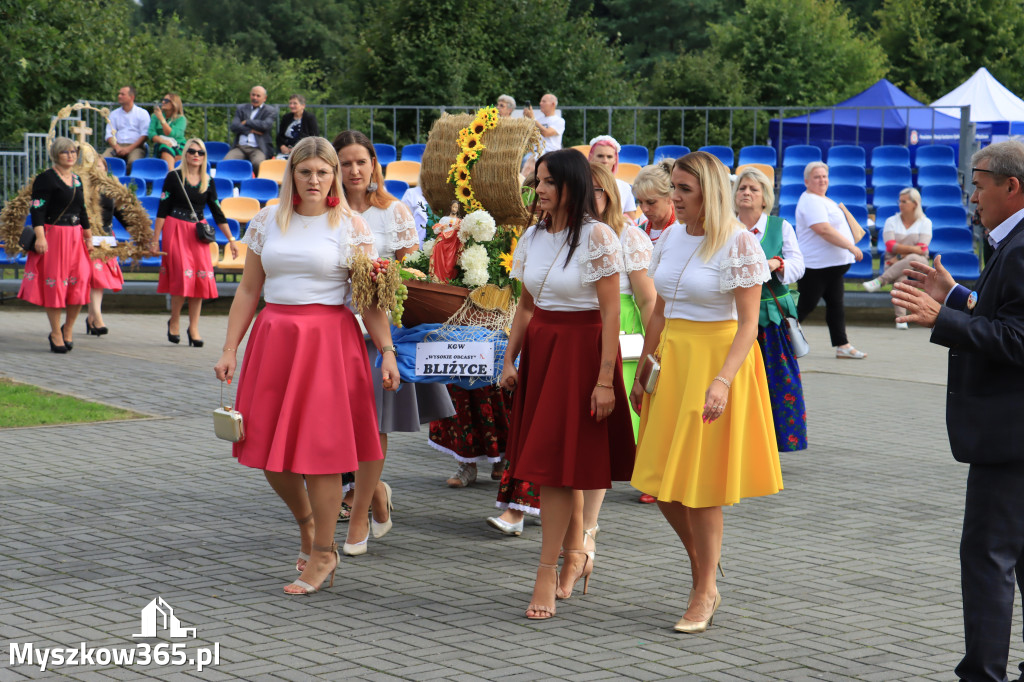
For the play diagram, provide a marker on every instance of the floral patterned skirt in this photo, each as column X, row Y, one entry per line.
column 784, row 388
column 59, row 277
column 520, row 495
column 478, row 430
column 187, row 269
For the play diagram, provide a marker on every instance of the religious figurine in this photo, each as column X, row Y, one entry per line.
column 447, row 246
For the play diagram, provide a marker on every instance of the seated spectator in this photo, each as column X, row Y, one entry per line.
column 604, row 150
column 413, row 198
column 167, row 129
column 550, row 122
column 297, row 126
column 506, row 105
column 252, row 125
column 128, row 129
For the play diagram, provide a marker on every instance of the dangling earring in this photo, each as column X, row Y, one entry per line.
column 372, row 187
column 333, row 201
column 296, row 200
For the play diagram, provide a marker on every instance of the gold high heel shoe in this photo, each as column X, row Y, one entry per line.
column 307, row 589
column 692, row 627
column 592, row 534
column 542, row 612
column 303, row 557
column 588, row 568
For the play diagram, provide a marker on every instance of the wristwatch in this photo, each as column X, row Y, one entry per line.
column 385, row 349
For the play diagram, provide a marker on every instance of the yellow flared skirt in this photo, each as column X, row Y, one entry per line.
column 681, row 459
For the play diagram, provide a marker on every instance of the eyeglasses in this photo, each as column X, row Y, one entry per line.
column 165, row 100
column 73, row 152
column 307, row 175
column 599, row 190
column 197, row 152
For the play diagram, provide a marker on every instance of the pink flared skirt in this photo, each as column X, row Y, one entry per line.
column 187, row 269
column 305, row 392
column 59, row 277
column 106, row 274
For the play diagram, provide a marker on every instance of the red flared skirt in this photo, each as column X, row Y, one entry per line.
column 305, row 392
column 553, row 439
column 187, row 269
column 106, row 274
column 59, row 277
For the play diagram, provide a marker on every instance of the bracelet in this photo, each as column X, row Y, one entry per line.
column 385, row 349
column 728, row 384
column 600, row 385
column 226, row 349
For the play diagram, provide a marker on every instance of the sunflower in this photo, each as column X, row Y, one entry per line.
column 478, row 127
column 466, row 158
column 506, row 258
column 472, row 142
column 464, row 193
column 462, row 176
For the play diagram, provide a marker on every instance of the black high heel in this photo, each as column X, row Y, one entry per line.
column 198, row 343
column 95, row 331
column 173, row 338
column 67, row 344
column 54, row 348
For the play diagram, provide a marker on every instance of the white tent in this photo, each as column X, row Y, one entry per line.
column 991, row 102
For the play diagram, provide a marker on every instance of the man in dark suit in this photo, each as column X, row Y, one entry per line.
column 253, row 127
column 984, row 331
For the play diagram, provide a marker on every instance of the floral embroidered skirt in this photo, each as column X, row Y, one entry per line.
column 784, row 387
column 478, row 430
column 187, row 269
column 59, row 277
column 519, row 495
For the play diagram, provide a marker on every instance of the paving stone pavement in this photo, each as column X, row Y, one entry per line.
column 850, row 573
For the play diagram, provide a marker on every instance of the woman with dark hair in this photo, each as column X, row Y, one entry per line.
column 297, row 126
column 395, row 236
column 57, row 271
column 570, row 428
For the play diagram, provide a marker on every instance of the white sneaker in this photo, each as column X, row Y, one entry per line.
column 902, row 325
column 872, row 285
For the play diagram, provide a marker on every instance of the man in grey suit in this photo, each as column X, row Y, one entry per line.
column 984, row 331
column 253, row 126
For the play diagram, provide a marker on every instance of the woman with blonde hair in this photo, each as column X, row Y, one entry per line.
column 754, row 198
column 706, row 433
column 186, row 271
column 906, row 236
column 167, row 129
column 305, row 389
column 653, row 189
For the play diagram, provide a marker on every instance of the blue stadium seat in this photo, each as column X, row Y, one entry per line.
column 891, row 175
column 724, row 154
column 757, row 153
column 890, row 155
column 860, row 214
column 224, row 187
column 670, row 151
column 413, row 152
column 963, row 266
column 216, row 151
column 800, row 155
column 788, row 212
column 792, row 175
column 386, row 153
column 947, row 216
column 938, row 175
column 116, row 166
column 942, row 195
column 935, row 155
column 136, row 184
column 151, row 204
column 883, row 212
column 156, row 187
column 865, row 268
column 234, row 170
column 887, row 195
column 790, row 194
column 846, row 155
column 850, row 195
column 396, row 188
column 846, row 175
column 149, row 170
column 260, row 189
column 118, row 230
column 232, row 225
column 948, row 239
column 635, row 153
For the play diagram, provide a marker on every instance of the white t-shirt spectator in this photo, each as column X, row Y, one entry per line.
column 626, row 196
column 818, row 253
column 556, row 122
column 413, row 198
column 127, row 126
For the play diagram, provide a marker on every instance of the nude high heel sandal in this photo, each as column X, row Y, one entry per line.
column 588, row 568
column 542, row 612
column 305, row 588
column 300, row 563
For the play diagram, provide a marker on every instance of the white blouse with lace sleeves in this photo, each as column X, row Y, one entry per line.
column 256, row 234
column 744, row 265
column 404, row 234
column 636, row 255
column 360, row 239
column 603, row 253
column 519, row 256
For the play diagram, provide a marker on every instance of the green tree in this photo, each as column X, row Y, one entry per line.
column 934, row 45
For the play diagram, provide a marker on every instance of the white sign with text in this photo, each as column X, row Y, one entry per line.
column 455, row 358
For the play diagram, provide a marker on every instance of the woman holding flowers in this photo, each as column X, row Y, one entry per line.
column 395, row 236
column 570, row 427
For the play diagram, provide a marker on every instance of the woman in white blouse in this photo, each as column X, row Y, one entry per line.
column 570, row 428
column 706, row 434
column 754, row 199
column 827, row 244
column 395, row 236
column 305, row 390
column 906, row 236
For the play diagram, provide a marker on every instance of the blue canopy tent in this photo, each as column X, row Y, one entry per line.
column 991, row 103
column 872, row 118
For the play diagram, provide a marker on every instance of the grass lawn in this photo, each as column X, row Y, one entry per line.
column 25, row 405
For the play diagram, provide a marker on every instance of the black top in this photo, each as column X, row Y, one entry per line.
column 108, row 210
column 289, row 136
column 54, row 203
column 174, row 197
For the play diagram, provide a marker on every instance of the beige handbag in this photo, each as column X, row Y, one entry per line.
column 227, row 422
